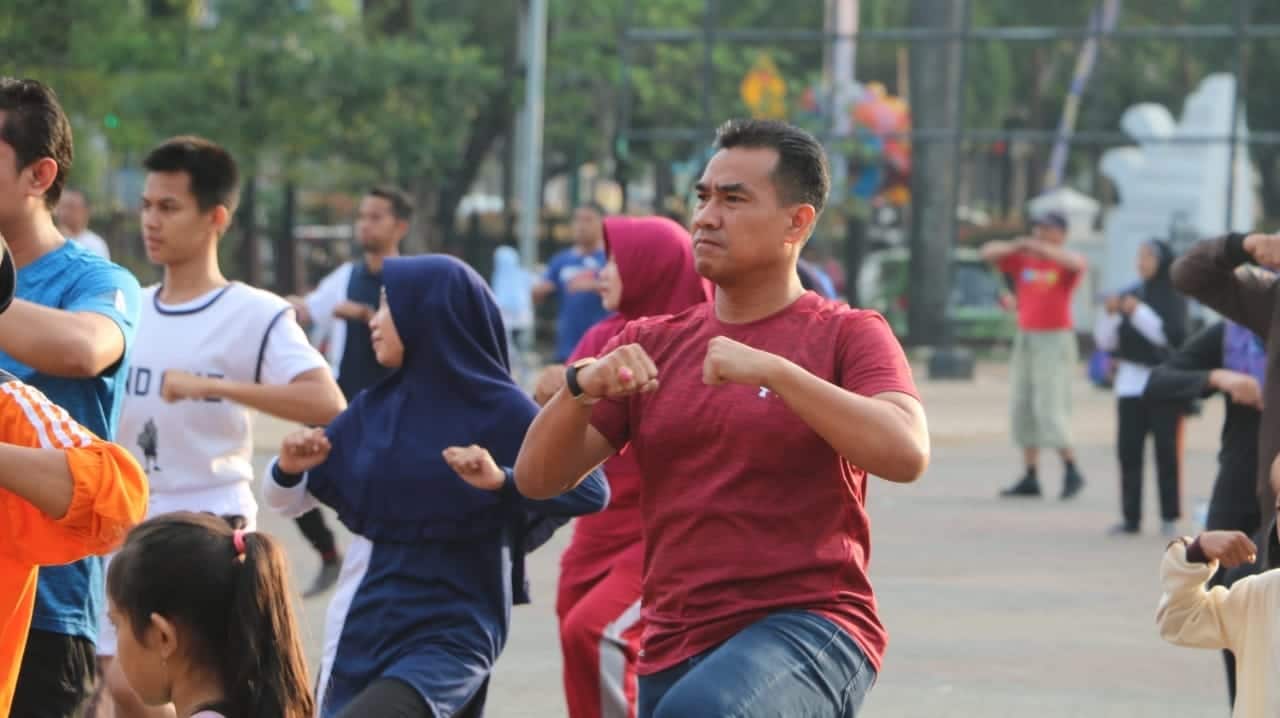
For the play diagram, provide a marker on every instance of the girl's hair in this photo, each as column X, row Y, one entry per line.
column 236, row 608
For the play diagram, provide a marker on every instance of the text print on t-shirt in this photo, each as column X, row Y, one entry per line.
column 1046, row 277
column 141, row 380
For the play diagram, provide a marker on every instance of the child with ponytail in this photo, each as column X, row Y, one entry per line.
column 204, row 621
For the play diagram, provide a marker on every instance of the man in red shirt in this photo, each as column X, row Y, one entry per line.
column 1045, row 354
column 755, row 421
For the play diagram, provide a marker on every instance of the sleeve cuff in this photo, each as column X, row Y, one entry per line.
column 1195, row 552
column 284, row 479
column 1234, row 251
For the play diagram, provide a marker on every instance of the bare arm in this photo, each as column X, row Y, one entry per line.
column 995, row 251
column 41, row 477
column 300, row 309
column 560, row 449
column 543, row 289
column 312, row 397
column 68, row 344
column 1213, row 273
column 1060, row 256
column 550, row 381
column 886, row 434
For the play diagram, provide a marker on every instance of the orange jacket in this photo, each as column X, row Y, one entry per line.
column 109, row 497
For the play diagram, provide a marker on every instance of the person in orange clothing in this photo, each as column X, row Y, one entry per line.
column 64, row 494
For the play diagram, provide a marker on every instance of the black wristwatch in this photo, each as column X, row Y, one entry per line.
column 571, row 382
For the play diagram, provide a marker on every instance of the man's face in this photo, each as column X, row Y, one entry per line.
column 14, row 182
column 739, row 226
column 174, row 229
column 588, row 228
column 377, row 228
column 73, row 212
column 1050, row 233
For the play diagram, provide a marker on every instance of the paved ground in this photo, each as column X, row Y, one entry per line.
column 994, row 609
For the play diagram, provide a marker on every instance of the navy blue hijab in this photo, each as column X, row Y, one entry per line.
column 385, row 475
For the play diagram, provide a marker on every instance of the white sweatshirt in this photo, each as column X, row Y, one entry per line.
column 1242, row 619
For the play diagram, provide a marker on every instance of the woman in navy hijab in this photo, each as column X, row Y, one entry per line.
column 423, row 605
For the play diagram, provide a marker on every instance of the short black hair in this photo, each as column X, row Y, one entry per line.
column 36, row 127
column 801, row 174
column 401, row 205
column 593, row 206
column 215, row 179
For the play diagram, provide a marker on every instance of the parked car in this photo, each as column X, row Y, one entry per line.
column 980, row 306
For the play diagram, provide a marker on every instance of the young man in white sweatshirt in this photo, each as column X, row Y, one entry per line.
column 1242, row 619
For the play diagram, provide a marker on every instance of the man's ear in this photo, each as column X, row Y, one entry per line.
column 41, row 175
column 800, row 223
column 221, row 219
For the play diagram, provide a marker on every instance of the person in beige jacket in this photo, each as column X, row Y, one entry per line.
column 1241, row 619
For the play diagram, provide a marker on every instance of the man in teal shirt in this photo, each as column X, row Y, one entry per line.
column 67, row 333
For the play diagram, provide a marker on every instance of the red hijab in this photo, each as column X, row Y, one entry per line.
column 655, row 262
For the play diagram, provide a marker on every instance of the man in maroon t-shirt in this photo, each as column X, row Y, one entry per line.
column 1045, row 275
column 755, row 421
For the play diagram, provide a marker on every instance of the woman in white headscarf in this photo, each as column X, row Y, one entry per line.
column 513, row 288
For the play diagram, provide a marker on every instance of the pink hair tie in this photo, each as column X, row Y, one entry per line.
column 237, row 540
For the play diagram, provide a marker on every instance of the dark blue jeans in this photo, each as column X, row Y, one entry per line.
column 794, row 664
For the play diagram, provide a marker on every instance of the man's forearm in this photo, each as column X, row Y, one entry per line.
column 556, row 454
column 41, row 477
column 995, row 251
column 875, row 434
column 68, row 344
column 1063, row 258
column 309, row 402
column 1208, row 274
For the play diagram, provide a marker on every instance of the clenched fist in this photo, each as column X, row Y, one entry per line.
column 622, row 372
column 476, row 466
column 1242, row 388
column 733, row 362
column 1264, row 248
column 178, row 385
column 355, row 311
column 1230, row 548
column 303, row 450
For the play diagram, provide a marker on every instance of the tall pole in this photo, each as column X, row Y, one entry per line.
column 1239, row 24
column 842, row 80
column 531, row 181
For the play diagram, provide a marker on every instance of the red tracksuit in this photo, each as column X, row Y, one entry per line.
column 599, row 602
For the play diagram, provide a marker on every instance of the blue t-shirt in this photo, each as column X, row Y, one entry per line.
column 72, row 278
column 579, row 311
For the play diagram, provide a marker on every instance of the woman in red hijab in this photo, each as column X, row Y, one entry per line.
column 649, row 273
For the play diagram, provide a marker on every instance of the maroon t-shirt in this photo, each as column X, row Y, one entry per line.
column 747, row 511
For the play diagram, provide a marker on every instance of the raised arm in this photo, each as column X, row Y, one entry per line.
column 312, row 397
column 1215, row 272
column 64, row 493
column 1188, row 614
column 871, row 417
column 1061, row 256
column 996, row 251
column 294, row 381
column 1187, row 374
column 561, row 446
column 83, row 339
column 885, row 433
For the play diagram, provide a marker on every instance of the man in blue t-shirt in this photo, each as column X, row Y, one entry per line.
column 571, row 277
column 338, row 314
column 67, row 334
